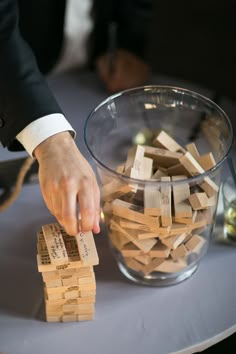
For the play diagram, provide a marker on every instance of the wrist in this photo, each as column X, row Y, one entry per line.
column 53, row 144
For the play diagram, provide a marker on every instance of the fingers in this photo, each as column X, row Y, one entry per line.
column 66, row 180
column 63, row 204
column 96, row 225
column 89, row 202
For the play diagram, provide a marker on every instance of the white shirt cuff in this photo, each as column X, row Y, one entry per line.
column 41, row 129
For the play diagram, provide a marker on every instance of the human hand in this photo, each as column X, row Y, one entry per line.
column 66, row 180
column 128, row 71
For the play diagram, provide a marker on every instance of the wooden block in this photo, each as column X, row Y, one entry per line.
column 163, row 157
column 130, row 251
column 188, row 236
column 163, row 140
column 147, row 168
column 176, row 170
column 200, row 221
column 166, row 216
column 137, row 164
column 114, row 189
column 133, row 213
column 78, row 272
column 55, row 244
column 87, row 317
column 195, row 169
column 138, row 158
column 66, row 309
column 133, row 225
column 55, row 296
column 130, row 160
column 141, row 227
column 191, row 147
column 177, row 229
column 144, row 245
column 86, row 280
column 69, row 318
column 186, row 220
column 69, row 280
column 212, row 201
column 133, row 264
column 78, row 300
column 161, row 231
column 53, row 283
column 53, row 318
column 147, row 235
column 195, row 243
column 181, row 193
column 44, row 264
column 208, row 214
column 173, row 242
column 70, row 289
column 179, row 252
column 87, row 293
column 152, row 201
column 159, row 251
column 72, row 294
column 87, row 248
column 158, row 174
column 149, row 268
column 144, row 259
column 206, row 161
column 118, row 240
column 198, row 201
column 171, row 266
column 78, row 309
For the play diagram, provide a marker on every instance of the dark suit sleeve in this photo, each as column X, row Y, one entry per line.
column 24, row 93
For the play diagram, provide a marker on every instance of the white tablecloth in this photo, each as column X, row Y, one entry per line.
column 129, row 318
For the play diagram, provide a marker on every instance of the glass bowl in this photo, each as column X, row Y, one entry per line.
column 159, row 152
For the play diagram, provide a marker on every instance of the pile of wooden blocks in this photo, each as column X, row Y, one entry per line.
column 66, row 264
column 157, row 226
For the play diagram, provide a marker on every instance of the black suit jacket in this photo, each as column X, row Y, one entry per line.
column 28, row 27
column 24, row 93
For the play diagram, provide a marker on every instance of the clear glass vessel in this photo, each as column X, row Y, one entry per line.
column 159, row 152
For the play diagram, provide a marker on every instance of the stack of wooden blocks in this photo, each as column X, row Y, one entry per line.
column 66, row 264
column 157, row 226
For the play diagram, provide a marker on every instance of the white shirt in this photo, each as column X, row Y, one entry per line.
column 77, row 27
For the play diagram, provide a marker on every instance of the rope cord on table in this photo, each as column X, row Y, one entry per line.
column 18, row 185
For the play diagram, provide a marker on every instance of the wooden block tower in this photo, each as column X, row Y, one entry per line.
column 66, row 264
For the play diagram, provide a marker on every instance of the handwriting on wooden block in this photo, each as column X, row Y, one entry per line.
column 87, row 248
column 55, row 244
